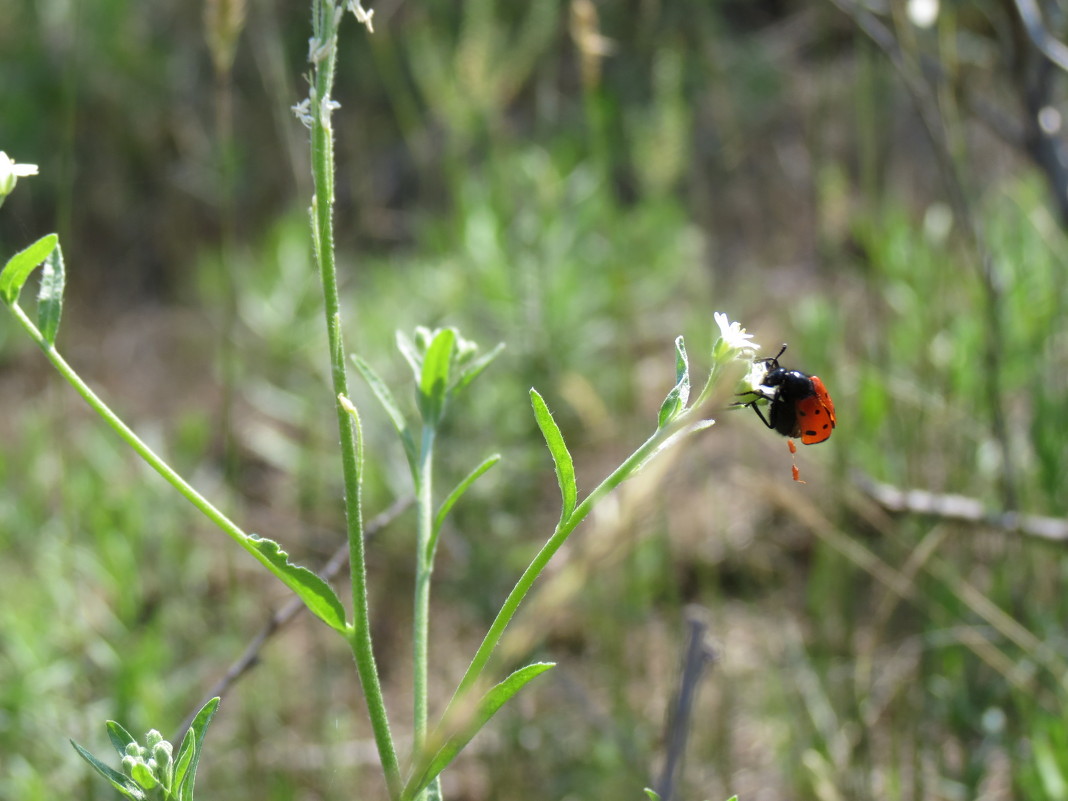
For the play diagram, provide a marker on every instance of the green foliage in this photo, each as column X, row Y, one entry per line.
column 565, row 468
column 50, row 298
column 385, row 398
column 319, row 596
column 679, row 395
column 919, row 395
column 547, row 219
column 563, row 272
column 455, row 741
column 18, row 267
column 152, row 771
column 458, row 492
column 89, row 562
column 443, row 363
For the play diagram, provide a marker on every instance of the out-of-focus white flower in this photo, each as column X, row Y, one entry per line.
column 10, row 172
column 922, row 13
column 734, row 337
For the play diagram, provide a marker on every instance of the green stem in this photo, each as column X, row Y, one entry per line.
column 322, row 156
column 548, row 550
column 127, row 434
column 424, row 566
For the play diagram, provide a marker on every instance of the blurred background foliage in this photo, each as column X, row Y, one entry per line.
column 582, row 181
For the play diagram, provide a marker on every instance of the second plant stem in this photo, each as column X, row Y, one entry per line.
column 424, row 565
column 647, row 450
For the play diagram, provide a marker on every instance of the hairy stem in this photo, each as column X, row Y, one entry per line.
column 424, row 566
column 325, row 20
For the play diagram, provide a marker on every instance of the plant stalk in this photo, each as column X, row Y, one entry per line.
column 424, row 567
column 548, row 550
column 154, row 461
column 322, row 156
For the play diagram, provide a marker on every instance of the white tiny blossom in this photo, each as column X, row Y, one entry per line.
column 10, row 172
column 922, row 13
column 754, row 380
column 302, row 110
column 325, row 110
column 363, row 15
column 318, row 50
column 735, row 337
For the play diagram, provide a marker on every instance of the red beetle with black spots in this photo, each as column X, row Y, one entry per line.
column 799, row 405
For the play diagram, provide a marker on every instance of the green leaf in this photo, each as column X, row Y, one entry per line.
column 182, row 760
column 143, row 776
column 474, row 369
column 125, row 785
column 682, row 362
column 389, row 403
column 433, row 790
column 492, row 701
column 434, row 377
column 50, row 298
column 410, row 353
column 120, row 738
column 19, row 267
column 1047, row 763
column 317, row 595
column 565, row 467
column 679, row 396
column 192, row 746
column 653, row 795
column 455, row 495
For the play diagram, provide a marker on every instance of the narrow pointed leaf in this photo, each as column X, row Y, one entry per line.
column 565, row 467
column 317, row 595
column 670, row 408
column 50, row 298
column 183, row 759
column 434, row 378
column 653, row 795
column 143, row 776
column 455, row 495
column 19, row 267
column 195, row 735
column 125, row 785
column 475, row 368
column 679, row 396
column 120, row 738
column 389, row 403
column 492, row 701
column 410, row 354
column 682, row 362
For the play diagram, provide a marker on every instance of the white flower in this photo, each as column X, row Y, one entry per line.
column 754, row 380
column 734, row 337
column 922, row 13
column 10, row 172
column 363, row 15
column 303, row 112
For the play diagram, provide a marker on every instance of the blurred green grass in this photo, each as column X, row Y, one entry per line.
column 722, row 162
